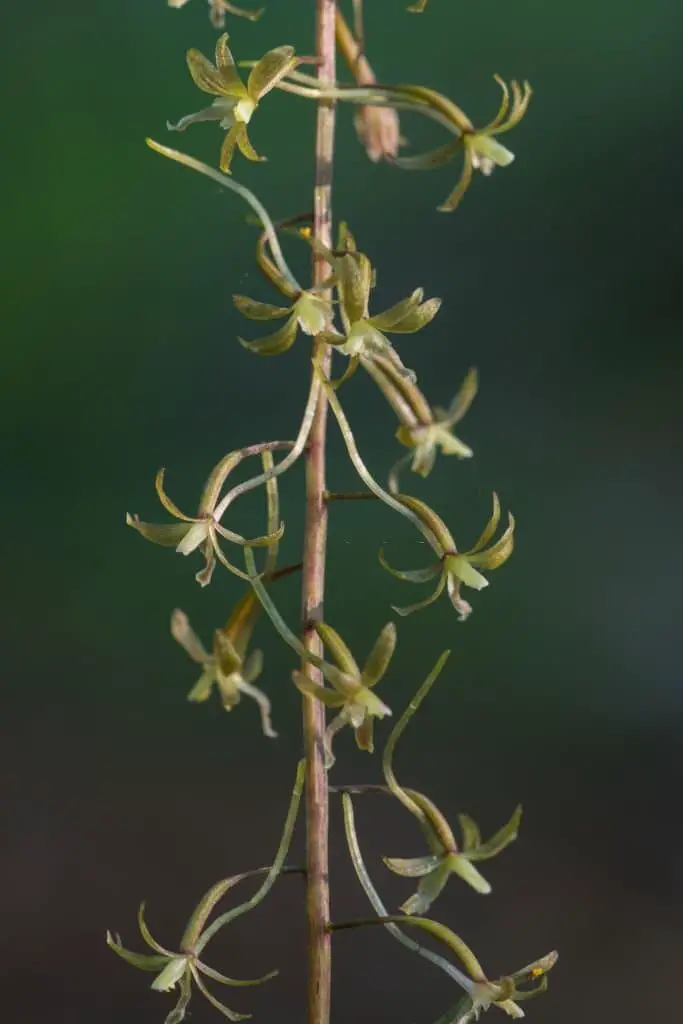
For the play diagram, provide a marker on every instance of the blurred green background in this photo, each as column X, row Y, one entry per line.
column 561, row 277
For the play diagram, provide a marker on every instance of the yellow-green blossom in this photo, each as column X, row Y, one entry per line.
column 236, row 101
column 353, row 688
column 309, row 312
column 219, row 8
column 455, row 568
column 228, row 667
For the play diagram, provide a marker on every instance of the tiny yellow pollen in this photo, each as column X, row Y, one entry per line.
column 537, row 972
column 305, row 232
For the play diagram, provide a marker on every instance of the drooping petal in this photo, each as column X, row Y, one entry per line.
column 411, row 575
column 269, row 70
column 419, row 605
column 228, row 148
column 143, row 961
column 172, row 973
column 216, row 1003
column 212, row 113
column 223, row 980
column 412, row 867
column 255, row 310
column 453, row 200
column 182, row 631
column 226, row 655
column 168, row 535
column 253, row 666
column 201, row 690
column 177, row 1014
column 277, row 343
column 380, row 656
column 463, row 400
column 487, row 153
column 449, row 443
column 205, row 75
column 263, row 703
column 364, row 734
column 462, row 607
column 244, row 145
column 430, row 887
column 431, row 160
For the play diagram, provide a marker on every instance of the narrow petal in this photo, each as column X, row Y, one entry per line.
column 412, row 867
column 225, row 1010
column 462, row 607
column 461, row 865
column 411, row 575
column 463, row 400
column 386, row 320
column 330, row 698
column 271, row 68
column 417, row 318
column 502, row 838
column 211, row 113
column 168, row 535
column 364, row 734
column 499, row 552
column 340, row 652
column 450, row 444
column 380, row 656
column 182, row 631
column 430, row 887
column 264, row 707
column 431, row 160
column 177, row 1014
column 228, row 148
column 419, row 605
column 354, row 273
column 169, row 505
column 143, row 961
column 253, row 667
column 453, row 200
column 490, row 527
column 201, row 690
column 255, row 310
column 204, row 75
column 488, row 150
column 277, row 343
column 244, row 145
column 223, row 980
column 502, row 110
column 471, row 836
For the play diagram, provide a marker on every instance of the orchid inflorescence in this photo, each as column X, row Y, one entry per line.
column 337, row 317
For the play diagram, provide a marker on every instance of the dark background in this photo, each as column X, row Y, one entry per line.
column 562, row 284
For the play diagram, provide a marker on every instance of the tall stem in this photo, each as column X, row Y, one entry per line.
column 315, row 546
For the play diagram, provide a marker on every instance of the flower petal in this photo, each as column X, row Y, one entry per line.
column 386, row 320
column 460, row 864
column 221, row 1007
column 411, row 575
column 223, row 980
column 168, row 535
column 471, row 836
column 430, row 887
column 212, row 113
column 459, row 565
column 244, row 145
column 354, row 272
column 412, row 867
column 255, row 310
column 228, row 148
column 182, row 631
column 419, row 605
column 499, row 552
column 143, row 961
column 169, row 505
column 417, row 318
column 194, row 538
column 490, row 527
column 177, row 1014
column 364, row 734
column 463, row 400
column 271, row 68
column 264, row 707
column 380, row 656
column 340, row 652
column 277, row 343
column 502, row 838
column 330, row 698
column 201, row 690
column 172, row 973
column 452, row 201
column 204, row 75
column 429, row 161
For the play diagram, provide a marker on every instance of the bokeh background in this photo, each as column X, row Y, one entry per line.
column 562, row 284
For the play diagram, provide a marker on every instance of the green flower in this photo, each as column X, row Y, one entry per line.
column 483, row 993
column 455, row 569
column 228, row 667
column 364, row 336
column 353, row 688
column 219, row 8
column 200, row 532
column 183, row 968
column 424, row 430
column 236, row 101
column 482, row 151
column 310, row 312
column 447, row 858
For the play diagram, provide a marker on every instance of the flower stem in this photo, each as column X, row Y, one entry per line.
column 315, row 547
